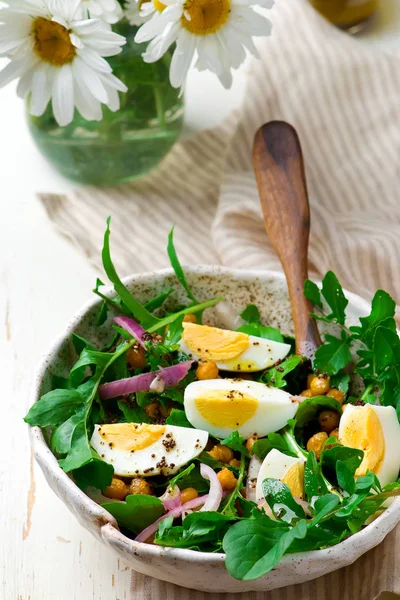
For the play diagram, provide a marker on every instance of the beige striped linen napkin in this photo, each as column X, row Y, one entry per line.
column 344, row 100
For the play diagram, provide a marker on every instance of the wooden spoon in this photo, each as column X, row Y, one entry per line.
column 281, row 182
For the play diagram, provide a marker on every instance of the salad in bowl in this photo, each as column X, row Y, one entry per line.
column 219, row 439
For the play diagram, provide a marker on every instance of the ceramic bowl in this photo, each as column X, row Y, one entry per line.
column 188, row 568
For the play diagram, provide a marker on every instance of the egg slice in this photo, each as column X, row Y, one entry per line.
column 288, row 469
column 231, row 350
column 376, row 431
column 221, row 406
column 142, row 449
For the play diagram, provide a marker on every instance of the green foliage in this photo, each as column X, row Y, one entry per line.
column 276, row 376
column 137, row 512
column 176, row 265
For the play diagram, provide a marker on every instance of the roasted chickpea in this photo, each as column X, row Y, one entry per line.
column 250, row 442
column 329, row 420
column 165, row 410
column 207, row 370
column 336, row 394
column 310, row 377
column 320, row 385
column 139, row 485
column 227, row 480
column 222, row 453
column 334, row 433
column 118, row 490
column 234, row 462
column 307, row 394
column 188, row 494
column 189, row 319
column 316, row 442
column 136, row 357
column 152, row 411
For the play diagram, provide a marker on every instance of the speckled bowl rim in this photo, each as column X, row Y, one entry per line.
column 107, row 523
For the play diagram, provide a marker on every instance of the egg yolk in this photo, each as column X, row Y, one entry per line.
column 363, row 430
column 131, row 437
column 294, row 479
column 212, row 343
column 226, row 408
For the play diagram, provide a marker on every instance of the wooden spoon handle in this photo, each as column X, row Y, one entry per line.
column 281, row 182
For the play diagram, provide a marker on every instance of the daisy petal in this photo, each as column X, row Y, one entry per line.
column 63, row 95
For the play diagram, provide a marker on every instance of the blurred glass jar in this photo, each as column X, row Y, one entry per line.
column 346, row 14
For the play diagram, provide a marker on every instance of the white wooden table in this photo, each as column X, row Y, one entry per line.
column 44, row 553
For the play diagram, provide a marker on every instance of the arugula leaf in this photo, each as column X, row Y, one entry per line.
column 386, row 349
column 266, row 332
column 178, row 417
column 191, row 477
column 184, row 473
column 251, row 314
column 341, row 381
column 280, row 500
column 207, row 459
column 138, row 311
column 158, row 301
column 276, row 376
column 366, row 482
column 176, row 265
column 61, row 437
column 137, row 512
column 86, row 359
column 197, row 529
column 54, row 408
column 116, row 304
column 351, row 457
column 345, row 477
column 237, row 443
column 382, row 311
column 192, row 309
column 323, row 506
column 255, row 547
column 274, row 440
column 174, row 332
column 310, row 408
column 229, row 507
column 96, row 473
column 312, row 293
column 80, row 343
column 333, row 355
column 314, row 482
column 132, row 412
column 333, row 293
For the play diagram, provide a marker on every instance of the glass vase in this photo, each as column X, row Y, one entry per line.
column 347, row 14
column 128, row 143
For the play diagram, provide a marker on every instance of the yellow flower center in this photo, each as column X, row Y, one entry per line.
column 159, row 5
column 52, row 42
column 206, row 16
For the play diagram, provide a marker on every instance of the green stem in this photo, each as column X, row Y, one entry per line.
column 161, row 323
column 367, row 391
column 238, row 485
column 117, row 307
column 384, row 495
column 158, row 98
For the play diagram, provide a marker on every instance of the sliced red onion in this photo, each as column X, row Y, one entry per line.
column 304, row 505
column 157, row 385
column 132, row 327
column 171, row 498
column 215, row 493
column 298, row 399
column 171, row 376
column 252, row 474
column 176, row 512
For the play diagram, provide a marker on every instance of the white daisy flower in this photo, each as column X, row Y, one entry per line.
column 132, row 12
column 218, row 31
column 108, row 10
column 57, row 56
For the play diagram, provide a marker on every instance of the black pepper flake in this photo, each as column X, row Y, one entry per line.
column 169, row 444
column 111, row 444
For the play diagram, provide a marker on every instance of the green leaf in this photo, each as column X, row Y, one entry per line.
column 137, row 512
column 237, row 443
column 340, row 381
column 192, row 309
column 333, row 293
column 61, row 438
column 351, row 457
column 268, row 333
column 276, row 376
column 333, row 355
column 207, row 459
column 312, row 293
column 349, row 506
column 174, row 332
column 184, row 473
column 251, row 314
column 103, row 313
column 80, row 452
column 253, row 544
column 197, row 529
column 86, row 359
column 138, row 311
column 382, row 310
column 280, row 500
column 274, row 440
column 96, row 473
column 345, row 477
column 191, row 477
column 132, row 412
column 176, row 265
column 365, row 482
column 386, row 349
column 314, row 483
column 158, row 301
column 310, row 408
column 80, row 343
column 178, row 417
column 323, row 506
column 54, row 408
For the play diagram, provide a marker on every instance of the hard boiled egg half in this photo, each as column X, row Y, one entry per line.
column 288, row 469
column 221, row 406
column 142, row 449
column 231, row 350
column 376, row 431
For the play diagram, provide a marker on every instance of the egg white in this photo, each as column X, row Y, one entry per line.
column 388, row 470
column 274, row 409
column 275, row 466
column 261, row 354
column 155, row 459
